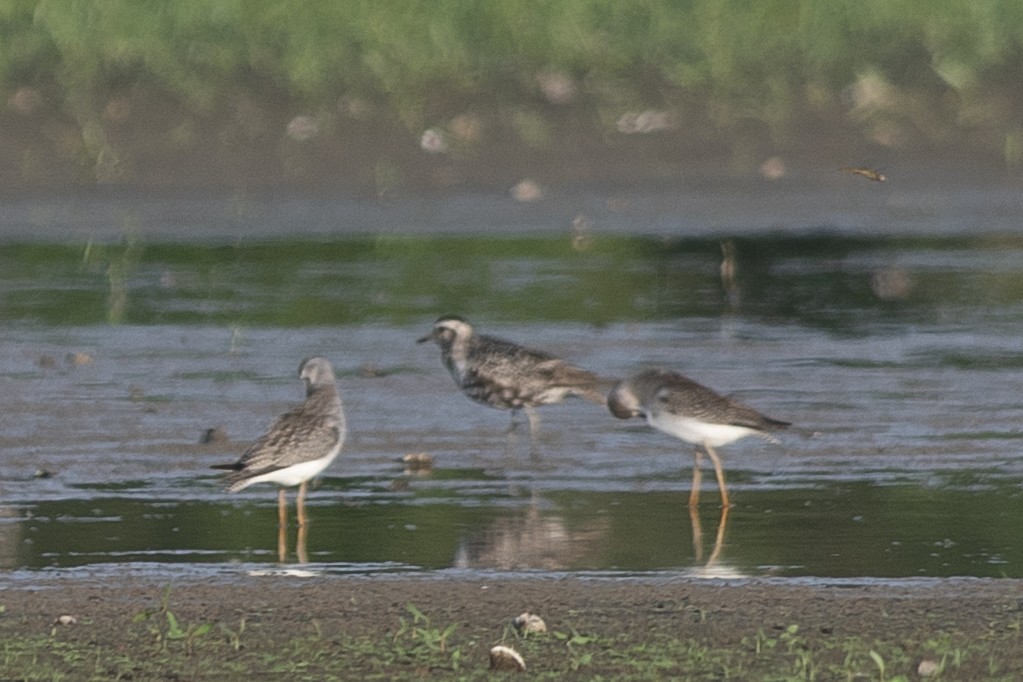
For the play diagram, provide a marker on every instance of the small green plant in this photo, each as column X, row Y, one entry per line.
column 173, row 630
column 879, row 662
column 234, row 639
column 573, row 643
column 761, row 642
column 428, row 640
column 575, row 639
column 421, row 629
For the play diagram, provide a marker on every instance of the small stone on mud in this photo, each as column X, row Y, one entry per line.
column 773, row 168
column 214, row 436
column 582, row 228
column 527, row 191
column 371, row 371
column 418, row 462
column 506, row 658
column 65, row 620
column 302, row 128
column 529, row 623
column 928, row 668
column 433, row 142
column 79, row 359
column 25, row 100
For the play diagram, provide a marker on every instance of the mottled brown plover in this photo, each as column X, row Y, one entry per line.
column 507, row 376
column 685, row 409
column 300, row 444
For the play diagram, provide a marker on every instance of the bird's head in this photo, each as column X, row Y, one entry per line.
column 446, row 330
column 622, row 401
column 316, row 373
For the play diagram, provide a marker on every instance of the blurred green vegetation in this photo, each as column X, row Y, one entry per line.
column 894, row 70
column 751, row 56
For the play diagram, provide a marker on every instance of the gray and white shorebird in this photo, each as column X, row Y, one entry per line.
column 507, row 376
column 299, row 444
column 692, row 412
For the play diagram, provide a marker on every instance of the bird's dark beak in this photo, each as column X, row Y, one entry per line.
column 428, row 337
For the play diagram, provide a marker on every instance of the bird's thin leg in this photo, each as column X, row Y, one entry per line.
column 534, row 425
column 694, row 494
column 300, row 504
column 719, row 539
column 534, row 421
column 509, row 440
column 514, row 422
column 300, row 545
column 282, row 526
column 720, row 473
column 282, row 509
column 694, row 520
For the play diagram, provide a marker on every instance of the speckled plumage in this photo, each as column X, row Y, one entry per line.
column 300, row 443
column 505, row 375
column 692, row 412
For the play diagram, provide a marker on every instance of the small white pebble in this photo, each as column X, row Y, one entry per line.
column 527, row 191
column 418, row 461
column 773, row 168
column 79, row 359
column 433, row 141
column 302, row 128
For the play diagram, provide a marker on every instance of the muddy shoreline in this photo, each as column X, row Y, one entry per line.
column 364, row 620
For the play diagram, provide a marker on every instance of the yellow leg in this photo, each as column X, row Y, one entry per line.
column 282, row 526
column 282, row 509
column 300, row 546
column 694, row 494
column 720, row 473
column 719, row 539
column 694, row 521
column 300, row 504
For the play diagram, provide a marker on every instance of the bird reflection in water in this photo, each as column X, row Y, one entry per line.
column 533, row 540
column 301, row 542
column 712, row 567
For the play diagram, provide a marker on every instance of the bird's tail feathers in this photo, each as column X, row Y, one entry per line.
column 235, row 479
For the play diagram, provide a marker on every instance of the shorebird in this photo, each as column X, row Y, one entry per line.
column 692, row 412
column 868, row 173
column 507, row 376
column 299, row 444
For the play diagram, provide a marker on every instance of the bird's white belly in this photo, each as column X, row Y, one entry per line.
column 296, row 473
column 695, row 431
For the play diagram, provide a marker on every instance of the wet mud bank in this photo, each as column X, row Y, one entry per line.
column 407, row 626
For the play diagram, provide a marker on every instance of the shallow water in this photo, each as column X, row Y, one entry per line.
column 899, row 358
